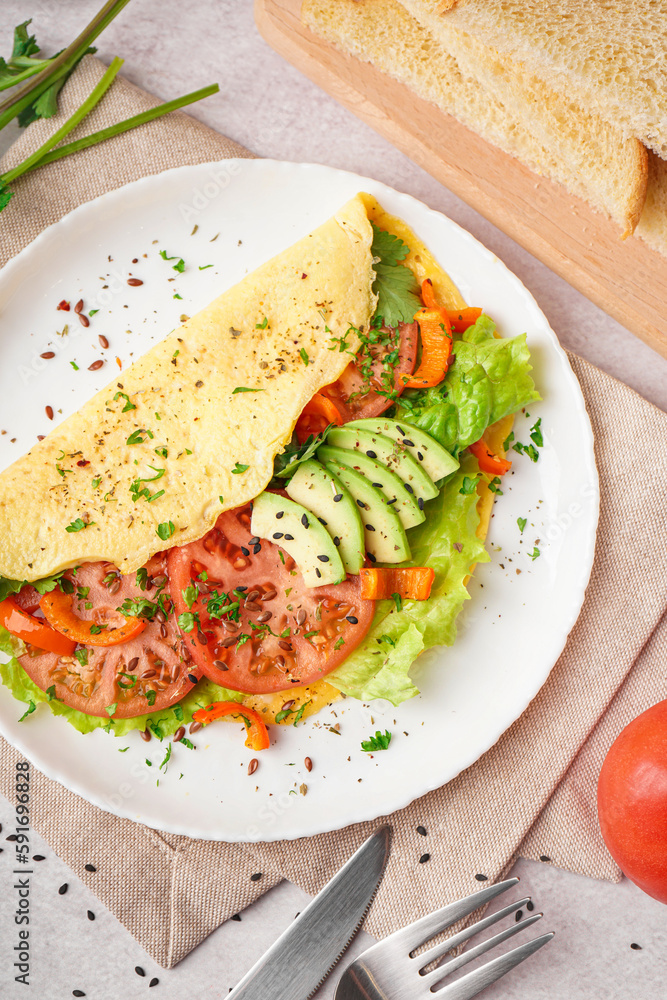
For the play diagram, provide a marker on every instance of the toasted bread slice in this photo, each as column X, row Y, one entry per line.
column 470, row 81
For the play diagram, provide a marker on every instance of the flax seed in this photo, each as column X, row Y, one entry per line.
column 253, row 765
column 96, row 365
column 103, row 341
column 135, row 282
column 265, row 616
column 49, row 412
column 47, row 355
column 83, row 320
column 195, row 727
column 179, row 734
column 309, row 764
column 79, row 306
column 145, row 735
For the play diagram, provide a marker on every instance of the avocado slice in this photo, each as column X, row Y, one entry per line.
column 389, row 453
column 433, row 458
column 299, row 532
column 321, row 491
column 385, row 537
column 407, row 506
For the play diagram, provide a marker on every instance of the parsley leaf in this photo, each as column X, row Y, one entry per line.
column 522, row 522
column 243, row 388
column 535, row 553
column 286, row 464
column 129, row 405
column 30, row 709
column 394, row 284
column 78, row 525
column 469, row 485
column 380, row 741
column 165, row 530
column 303, row 353
column 239, row 468
column 536, row 434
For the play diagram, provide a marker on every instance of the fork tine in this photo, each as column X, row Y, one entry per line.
column 474, row 982
column 410, row 937
column 433, row 954
column 431, row 978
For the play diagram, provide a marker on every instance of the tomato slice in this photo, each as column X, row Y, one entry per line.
column 316, row 417
column 33, row 630
column 28, row 599
column 57, row 608
column 280, row 632
column 147, row 673
column 354, row 394
column 257, row 737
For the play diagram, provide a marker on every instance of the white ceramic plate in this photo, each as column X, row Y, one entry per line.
column 511, row 631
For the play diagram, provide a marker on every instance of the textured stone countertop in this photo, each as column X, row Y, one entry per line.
column 170, row 48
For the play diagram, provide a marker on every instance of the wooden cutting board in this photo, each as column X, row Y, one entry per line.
column 624, row 277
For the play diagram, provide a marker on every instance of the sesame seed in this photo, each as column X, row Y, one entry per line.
column 318, row 574
column 370, row 527
column 90, row 915
column 543, row 857
column 289, row 538
column 256, row 877
column 408, row 487
column 424, row 858
column 378, row 486
column 193, row 678
column 304, row 520
column 277, row 534
column 635, row 946
column 78, row 993
column 352, row 620
column 237, row 916
column 530, row 905
column 90, row 868
column 139, row 971
column 338, row 498
column 420, row 503
column 253, row 540
column 38, row 857
column 281, row 513
column 371, row 454
column 323, row 558
column 371, row 557
column 421, row 830
column 481, row 878
column 408, row 443
column 154, row 981
column 63, row 889
column 336, row 540
column 245, row 551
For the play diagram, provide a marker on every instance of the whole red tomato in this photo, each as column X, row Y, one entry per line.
column 632, row 801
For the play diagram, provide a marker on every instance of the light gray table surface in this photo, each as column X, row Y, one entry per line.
column 171, row 47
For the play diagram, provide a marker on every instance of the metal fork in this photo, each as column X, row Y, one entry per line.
column 390, row 971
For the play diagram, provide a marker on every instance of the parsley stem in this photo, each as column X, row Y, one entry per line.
column 91, row 101
column 60, row 64
column 32, row 67
column 129, row 123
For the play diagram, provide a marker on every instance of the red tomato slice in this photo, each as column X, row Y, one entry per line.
column 351, row 393
column 157, row 660
column 28, row 599
column 286, row 633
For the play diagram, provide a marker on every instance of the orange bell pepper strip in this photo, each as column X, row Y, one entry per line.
column 33, row 630
column 57, row 609
column 317, row 414
column 436, row 337
column 460, row 319
column 492, row 464
column 412, row 583
column 257, row 737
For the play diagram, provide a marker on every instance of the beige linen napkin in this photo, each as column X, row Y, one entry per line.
column 532, row 794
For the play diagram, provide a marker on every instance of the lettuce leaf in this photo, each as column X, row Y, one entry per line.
column 379, row 667
column 489, row 379
column 161, row 724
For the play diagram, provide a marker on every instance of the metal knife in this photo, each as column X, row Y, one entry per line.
column 304, row 954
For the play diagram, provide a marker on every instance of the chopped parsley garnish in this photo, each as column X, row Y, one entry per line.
column 128, row 404
column 137, row 491
column 128, row 681
column 165, row 530
column 239, row 468
column 29, row 710
column 51, row 693
column 161, row 451
column 398, row 601
column 244, row 388
column 522, row 522
column 339, row 643
column 299, row 714
column 395, row 285
column 283, row 714
column 263, row 325
column 387, row 638
column 508, row 440
column 179, row 266
column 380, row 741
column 494, row 485
column 188, row 620
column 190, row 594
column 74, row 366
column 142, row 578
column 536, row 433
column 535, row 553
column 469, row 485
column 303, row 354
column 165, row 760
column 78, row 525
column 136, row 438
column 526, row 449
column 150, row 697
column 163, row 254
column 286, row 464
column 96, row 482
column 110, row 709
column 96, row 629
column 205, row 267
column 82, row 656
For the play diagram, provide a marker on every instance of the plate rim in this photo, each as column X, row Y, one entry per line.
column 574, row 607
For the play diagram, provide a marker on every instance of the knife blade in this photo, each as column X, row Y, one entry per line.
column 304, row 954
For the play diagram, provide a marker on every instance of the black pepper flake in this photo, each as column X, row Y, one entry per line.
column 90, row 868
column 256, row 877
column 237, row 916
column 139, row 971
column 530, row 905
column 543, row 857
column 154, row 981
column 90, row 915
column 424, row 858
column 635, row 946
column 421, row 830
column 63, row 889
column 482, row 878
